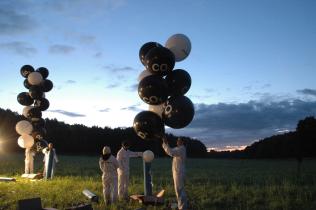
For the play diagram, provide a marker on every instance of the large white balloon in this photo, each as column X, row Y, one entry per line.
column 143, row 74
column 148, row 156
column 158, row 109
column 24, row 127
column 26, row 141
column 26, row 110
column 35, row 78
column 180, row 45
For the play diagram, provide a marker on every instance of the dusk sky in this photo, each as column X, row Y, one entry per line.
column 252, row 63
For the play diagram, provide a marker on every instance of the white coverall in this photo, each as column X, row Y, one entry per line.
column 109, row 178
column 123, row 171
column 46, row 157
column 178, row 172
column 29, row 161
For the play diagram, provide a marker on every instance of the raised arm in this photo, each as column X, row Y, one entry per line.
column 134, row 154
column 173, row 152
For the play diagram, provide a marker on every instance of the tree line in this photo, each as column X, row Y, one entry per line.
column 296, row 144
column 82, row 140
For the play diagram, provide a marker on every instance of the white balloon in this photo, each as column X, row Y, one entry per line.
column 25, row 141
column 158, row 109
column 148, row 156
column 26, row 110
column 24, row 127
column 143, row 74
column 180, row 45
column 35, row 78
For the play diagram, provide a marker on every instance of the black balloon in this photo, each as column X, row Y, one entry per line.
column 160, row 60
column 153, row 90
column 25, row 99
column 145, row 49
column 26, row 84
column 26, row 70
column 178, row 112
column 148, row 125
column 47, row 85
column 38, row 123
column 179, row 82
column 36, row 92
column 43, row 71
column 39, row 133
column 39, row 145
column 34, row 113
column 42, row 104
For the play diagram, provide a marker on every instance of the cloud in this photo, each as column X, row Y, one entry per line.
column 70, row 82
column 134, row 108
column 87, row 39
column 69, row 114
column 12, row 22
column 105, row 110
column 19, row 48
column 82, row 9
column 98, row 55
column 307, row 91
column 113, row 85
column 61, row 49
column 132, row 88
column 240, row 124
column 115, row 69
column 266, row 86
column 247, row 88
column 199, row 97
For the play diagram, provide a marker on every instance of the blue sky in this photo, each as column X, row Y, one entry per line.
column 252, row 64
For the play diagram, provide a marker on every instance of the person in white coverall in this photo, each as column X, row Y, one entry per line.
column 45, row 151
column 108, row 165
column 122, row 157
column 178, row 169
column 29, row 161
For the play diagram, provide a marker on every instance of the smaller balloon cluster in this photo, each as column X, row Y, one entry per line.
column 32, row 128
column 163, row 88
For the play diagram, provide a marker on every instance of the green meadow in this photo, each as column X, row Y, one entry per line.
column 210, row 184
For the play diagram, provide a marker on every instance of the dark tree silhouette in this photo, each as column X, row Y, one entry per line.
column 83, row 140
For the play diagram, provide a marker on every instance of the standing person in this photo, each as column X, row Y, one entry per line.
column 123, row 156
column 50, row 160
column 29, row 161
column 108, row 165
column 178, row 169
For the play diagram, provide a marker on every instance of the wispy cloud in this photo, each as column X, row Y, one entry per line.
column 116, row 69
column 12, row 22
column 113, row 85
column 19, row 48
column 105, row 110
column 67, row 113
column 266, row 86
column 132, row 88
column 98, row 54
column 61, row 49
column 87, row 39
column 134, row 108
column 70, row 82
column 306, row 91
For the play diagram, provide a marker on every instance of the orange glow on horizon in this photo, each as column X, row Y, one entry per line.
column 227, row 148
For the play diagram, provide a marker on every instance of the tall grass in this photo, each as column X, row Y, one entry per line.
column 210, row 183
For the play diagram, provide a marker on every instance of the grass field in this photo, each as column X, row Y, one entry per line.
column 210, row 183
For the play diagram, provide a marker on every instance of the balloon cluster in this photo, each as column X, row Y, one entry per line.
column 32, row 128
column 163, row 87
